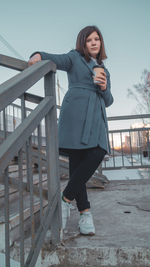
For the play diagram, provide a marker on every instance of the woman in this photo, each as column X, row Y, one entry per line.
column 83, row 130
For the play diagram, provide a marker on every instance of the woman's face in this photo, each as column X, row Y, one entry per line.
column 93, row 44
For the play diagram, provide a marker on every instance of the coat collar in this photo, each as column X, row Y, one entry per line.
column 91, row 64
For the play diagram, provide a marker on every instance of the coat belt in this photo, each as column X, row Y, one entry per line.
column 90, row 112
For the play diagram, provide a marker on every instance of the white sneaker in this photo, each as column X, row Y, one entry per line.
column 65, row 212
column 86, row 224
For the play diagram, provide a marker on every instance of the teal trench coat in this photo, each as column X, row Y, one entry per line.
column 82, row 122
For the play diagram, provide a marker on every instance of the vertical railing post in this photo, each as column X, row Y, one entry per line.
column 122, row 154
column 6, row 183
column 7, row 232
column 113, row 149
column 131, row 151
column 140, row 146
column 52, row 156
column 30, row 179
column 21, row 208
column 40, row 171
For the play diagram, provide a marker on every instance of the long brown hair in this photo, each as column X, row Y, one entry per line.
column 81, row 43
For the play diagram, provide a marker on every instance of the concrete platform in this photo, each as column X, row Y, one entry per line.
column 122, row 219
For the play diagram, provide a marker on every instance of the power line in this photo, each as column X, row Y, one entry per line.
column 3, row 40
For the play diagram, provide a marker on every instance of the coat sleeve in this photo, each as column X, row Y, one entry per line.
column 106, row 94
column 62, row 61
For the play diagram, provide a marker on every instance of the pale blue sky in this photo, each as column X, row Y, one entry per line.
column 52, row 26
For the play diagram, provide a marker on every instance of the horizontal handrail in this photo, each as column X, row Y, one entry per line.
column 17, row 139
column 16, row 86
column 13, row 63
column 142, row 129
column 129, row 117
column 104, row 168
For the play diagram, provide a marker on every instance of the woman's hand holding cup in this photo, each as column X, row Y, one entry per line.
column 100, row 77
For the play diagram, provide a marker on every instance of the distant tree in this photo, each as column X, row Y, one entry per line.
column 141, row 93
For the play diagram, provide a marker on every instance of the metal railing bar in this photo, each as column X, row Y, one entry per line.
column 122, row 154
column 7, row 233
column 129, row 130
column 148, row 145
column 40, row 172
column 13, row 63
column 126, row 167
column 131, row 153
column 0, row 120
column 140, row 148
column 6, row 183
column 16, row 140
column 23, row 108
column 51, row 136
column 14, row 124
column 105, row 163
column 23, row 116
column 34, row 252
column 16, row 86
column 129, row 117
column 113, row 148
column 52, row 157
column 21, row 208
column 34, row 137
column 4, row 123
column 30, row 179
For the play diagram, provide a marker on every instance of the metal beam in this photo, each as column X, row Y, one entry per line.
column 129, row 117
column 130, row 130
column 16, row 86
column 13, row 63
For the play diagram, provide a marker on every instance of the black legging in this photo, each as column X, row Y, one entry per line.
column 82, row 165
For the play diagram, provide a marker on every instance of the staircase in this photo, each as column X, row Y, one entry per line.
column 29, row 177
column 31, row 169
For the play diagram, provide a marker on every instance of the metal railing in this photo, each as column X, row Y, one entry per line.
column 130, row 148
column 19, row 143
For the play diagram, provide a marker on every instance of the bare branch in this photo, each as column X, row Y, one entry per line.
column 141, row 93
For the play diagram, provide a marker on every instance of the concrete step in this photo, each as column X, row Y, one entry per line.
column 122, row 238
column 122, row 221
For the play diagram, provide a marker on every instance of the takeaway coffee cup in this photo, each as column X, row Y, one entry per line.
column 98, row 71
